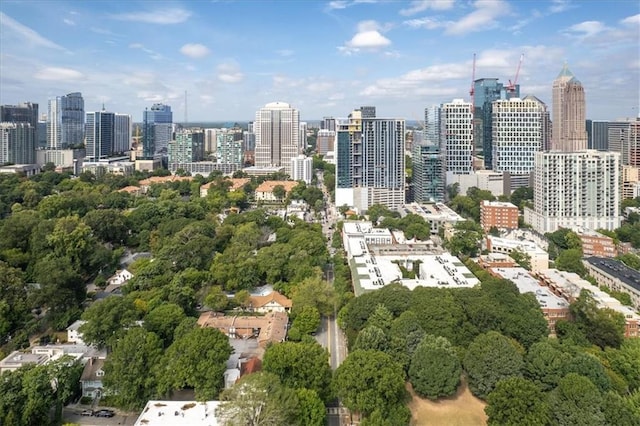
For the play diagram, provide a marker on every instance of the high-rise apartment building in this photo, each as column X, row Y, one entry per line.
column 429, row 160
column 624, row 137
column 575, row 189
column 121, row 133
column 486, row 91
column 569, row 113
column 99, row 134
column 302, row 141
column 518, row 132
column 65, row 121
column 17, row 143
column 277, row 130
column 157, row 130
column 370, row 161
column 228, row 147
column 25, row 112
column 188, row 147
column 498, row 214
column 457, row 136
column 302, row 168
column 325, row 141
column 598, row 135
column 328, row 123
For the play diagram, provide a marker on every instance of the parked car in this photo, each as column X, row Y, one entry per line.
column 104, row 413
column 86, row 413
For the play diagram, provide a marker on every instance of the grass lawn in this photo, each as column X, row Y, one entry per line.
column 462, row 409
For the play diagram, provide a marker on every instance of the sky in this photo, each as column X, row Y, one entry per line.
column 325, row 58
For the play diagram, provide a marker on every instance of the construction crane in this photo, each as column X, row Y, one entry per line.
column 472, row 91
column 511, row 87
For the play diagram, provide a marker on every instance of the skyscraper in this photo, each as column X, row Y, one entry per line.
column 457, row 137
column 65, row 121
column 325, row 141
column 486, row 91
column 99, row 134
column 429, row 160
column 575, row 189
column 122, row 133
column 624, row 137
column 229, row 147
column 302, row 139
column 277, row 130
column 598, row 135
column 25, row 112
column 17, row 143
column 569, row 117
column 187, row 147
column 157, row 130
column 370, row 161
column 518, row 132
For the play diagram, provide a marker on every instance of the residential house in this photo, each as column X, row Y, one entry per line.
column 270, row 328
column 73, row 332
column 264, row 192
column 272, row 302
column 236, row 183
column 91, row 379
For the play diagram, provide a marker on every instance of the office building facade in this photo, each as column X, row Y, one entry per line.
column 121, row 133
column 277, row 130
column 99, row 134
column 65, row 121
column 569, row 113
column 325, row 141
column 598, row 135
column 187, row 147
column 157, row 130
column 624, row 137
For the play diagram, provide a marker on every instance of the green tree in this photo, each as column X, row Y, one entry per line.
column 520, row 195
column 313, row 291
column 369, row 380
column 129, row 368
column 311, row 410
column 571, row 260
column 307, row 320
column 163, row 321
column 603, row 327
column 516, row 401
column 107, row 319
column 372, row 338
column 631, row 260
column 196, row 360
column 258, row 399
column 216, row 299
column 576, row 401
column 435, row 368
column 545, row 364
column 300, row 365
column 490, row 358
column 624, row 361
column 619, row 411
column 279, row 192
column 589, row 366
column 521, row 258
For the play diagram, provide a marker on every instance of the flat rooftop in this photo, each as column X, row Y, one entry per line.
column 178, row 413
column 499, row 204
column 528, row 284
column 617, row 269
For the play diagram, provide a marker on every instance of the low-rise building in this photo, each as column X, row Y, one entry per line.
column 615, row 275
column 236, row 183
column 73, row 332
column 17, row 359
column 264, row 192
column 91, row 379
column 437, row 215
column 272, row 302
column 145, row 184
column 553, row 307
column 596, row 244
column 498, row 214
column 270, row 328
column 539, row 258
column 568, row 285
column 496, row 260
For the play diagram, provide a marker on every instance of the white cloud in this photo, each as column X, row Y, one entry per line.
column 631, row 20
column 332, row 5
column 195, row 50
column 368, row 37
column 320, row 86
column 160, row 16
column 25, row 33
column 428, row 23
column 422, row 5
column 484, row 17
column 558, row 6
column 229, row 72
column 58, row 74
column 69, row 22
column 285, row 52
column 587, row 28
column 152, row 53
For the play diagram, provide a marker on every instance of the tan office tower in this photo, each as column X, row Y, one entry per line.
column 277, row 129
column 569, row 132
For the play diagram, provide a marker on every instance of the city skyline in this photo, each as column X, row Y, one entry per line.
column 323, row 58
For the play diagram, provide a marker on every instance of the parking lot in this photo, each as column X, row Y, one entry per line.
column 73, row 415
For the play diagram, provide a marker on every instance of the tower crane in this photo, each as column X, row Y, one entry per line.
column 511, row 87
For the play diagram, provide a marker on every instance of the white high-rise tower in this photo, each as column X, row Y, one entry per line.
column 277, row 130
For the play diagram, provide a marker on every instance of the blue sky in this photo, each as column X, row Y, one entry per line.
column 324, row 58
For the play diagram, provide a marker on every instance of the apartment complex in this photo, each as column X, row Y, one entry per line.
column 498, row 214
column 539, row 259
column 615, row 275
column 457, row 137
column 596, row 244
